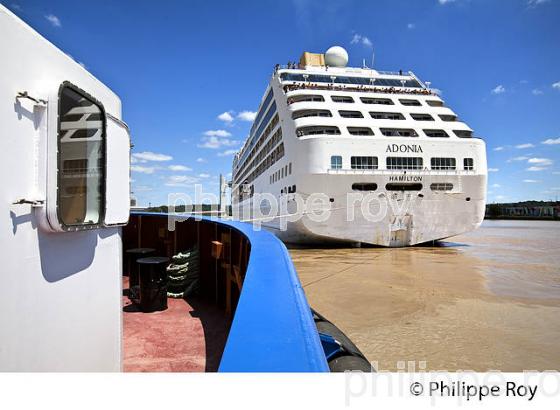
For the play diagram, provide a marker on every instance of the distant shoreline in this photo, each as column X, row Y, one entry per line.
column 520, row 218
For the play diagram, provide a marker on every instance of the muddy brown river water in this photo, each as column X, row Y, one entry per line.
column 486, row 300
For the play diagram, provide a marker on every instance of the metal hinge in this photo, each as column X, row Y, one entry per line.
column 35, row 203
column 37, row 101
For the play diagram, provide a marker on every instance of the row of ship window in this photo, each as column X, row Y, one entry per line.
column 388, row 132
column 281, row 173
column 373, row 114
column 402, row 163
column 366, row 100
column 372, row 186
column 257, row 153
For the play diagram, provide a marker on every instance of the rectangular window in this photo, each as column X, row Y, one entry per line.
column 350, row 114
column 360, row 131
column 434, row 103
column 336, row 162
column 363, row 162
column 305, row 98
column 342, row 99
column 387, row 115
column 398, row 132
column 290, row 169
column 422, row 117
column 468, row 164
column 443, row 163
column 404, row 163
column 81, row 159
column 441, row 186
column 436, row 133
column 410, row 103
column 463, row 133
column 318, row 130
column 448, row 117
column 310, row 113
column 379, row 101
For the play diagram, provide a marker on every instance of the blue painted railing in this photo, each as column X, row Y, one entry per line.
column 273, row 328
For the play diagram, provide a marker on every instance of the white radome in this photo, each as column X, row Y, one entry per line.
column 336, row 56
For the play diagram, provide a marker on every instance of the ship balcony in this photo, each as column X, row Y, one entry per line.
column 249, row 314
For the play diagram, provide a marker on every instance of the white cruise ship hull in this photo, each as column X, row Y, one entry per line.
column 393, row 219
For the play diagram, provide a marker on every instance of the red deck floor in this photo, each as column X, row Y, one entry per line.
column 187, row 337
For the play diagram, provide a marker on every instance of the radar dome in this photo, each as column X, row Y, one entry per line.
column 336, row 57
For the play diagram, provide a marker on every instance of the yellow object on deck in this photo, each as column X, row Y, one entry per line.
column 312, row 59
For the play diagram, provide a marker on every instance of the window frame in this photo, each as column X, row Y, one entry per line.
column 361, row 162
column 339, row 165
column 443, row 164
column 60, row 163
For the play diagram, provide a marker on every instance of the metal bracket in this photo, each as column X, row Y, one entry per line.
column 37, row 101
column 35, row 203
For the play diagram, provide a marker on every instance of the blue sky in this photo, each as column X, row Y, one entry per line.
column 191, row 73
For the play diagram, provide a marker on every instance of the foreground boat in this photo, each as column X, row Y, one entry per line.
column 65, row 159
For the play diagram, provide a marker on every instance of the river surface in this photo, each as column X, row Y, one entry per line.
column 486, row 300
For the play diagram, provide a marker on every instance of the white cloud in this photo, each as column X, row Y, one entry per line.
column 531, row 181
column 522, row 158
column 150, row 156
column 499, row 149
column 556, row 85
column 411, row 26
column 524, row 146
column 247, row 115
column 359, row 39
column 556, row 173
column 204, row 175
column 225, row 117
column 499, row 89
column 443, row 2
column 227, row 153
column 536, row 91
column 535, row 3
column 179, row 168
column 180, row 180
column 496, row 186
column 535, row 169
column 55, row 21
column 551, row 141
column 545, row 162
column 142, row 170
column 201, row 160
column 217, row 133
column 215, row 142
column 493, row 169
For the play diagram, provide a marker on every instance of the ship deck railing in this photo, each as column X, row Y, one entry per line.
column 419, row 172
column 296, row 86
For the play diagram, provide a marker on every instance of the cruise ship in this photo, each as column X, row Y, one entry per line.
column 381, row 157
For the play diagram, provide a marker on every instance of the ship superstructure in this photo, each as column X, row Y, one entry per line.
column 396, row 163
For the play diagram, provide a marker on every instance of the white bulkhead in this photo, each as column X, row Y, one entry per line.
column 64, row 161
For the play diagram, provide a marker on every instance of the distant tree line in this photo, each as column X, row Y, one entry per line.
column 524, row 210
